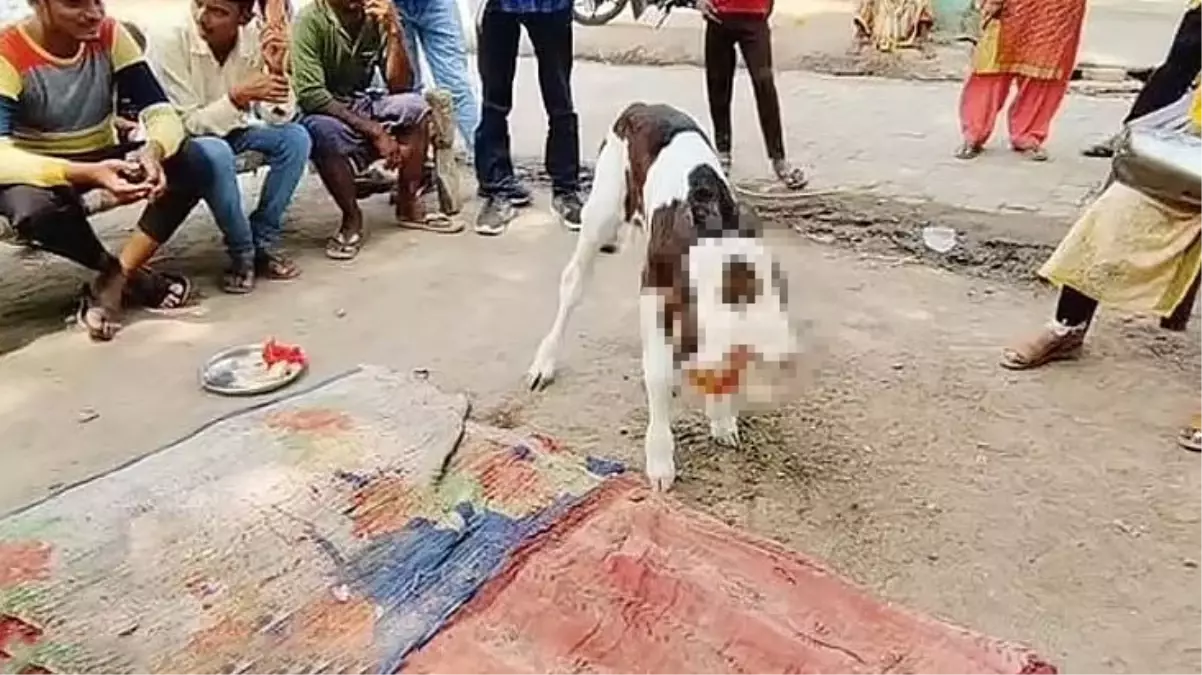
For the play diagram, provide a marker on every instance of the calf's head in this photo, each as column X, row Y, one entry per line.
column 726, row 304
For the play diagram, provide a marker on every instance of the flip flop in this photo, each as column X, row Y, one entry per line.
column 276, row 267
column 238, row 280
column 793, row 178
column 344, row 246
column 1035, row 154
column 968, row 151
column 172, row 291
column 1190, row 437
column 97, row 320
column 434, row 222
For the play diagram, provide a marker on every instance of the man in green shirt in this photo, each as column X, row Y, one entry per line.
column 337, row 46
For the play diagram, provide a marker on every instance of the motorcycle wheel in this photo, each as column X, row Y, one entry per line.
column 597, row 12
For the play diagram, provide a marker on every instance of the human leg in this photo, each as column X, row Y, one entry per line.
column 186, row 172
column 981, row 100
column 719, row 84
column 286, row 148
column 496, row 58
column 224, row 197
column 408, row 117
column 1058, row 341
column 54, row 220
column 337, row 152
column 1031, row 114
column 441, row 35
column 551, row 36
column 755, row 41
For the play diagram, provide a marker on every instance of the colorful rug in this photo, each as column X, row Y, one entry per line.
column 303, row 536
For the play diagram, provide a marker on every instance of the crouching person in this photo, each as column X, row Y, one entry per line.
column 212, row 67
column 337, row 45
column 61, row 72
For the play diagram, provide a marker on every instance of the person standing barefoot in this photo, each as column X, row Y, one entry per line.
column 744, row 23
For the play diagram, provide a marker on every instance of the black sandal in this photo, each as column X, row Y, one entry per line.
column 172, row 291
column 343, row 246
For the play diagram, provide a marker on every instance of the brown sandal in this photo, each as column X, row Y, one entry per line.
column 239, row 279
column 276, row 267
column 1055, row 343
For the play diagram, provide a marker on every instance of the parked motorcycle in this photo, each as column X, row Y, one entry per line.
column 601, row 12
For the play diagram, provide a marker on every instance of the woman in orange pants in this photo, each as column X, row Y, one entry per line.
column 1028, row 45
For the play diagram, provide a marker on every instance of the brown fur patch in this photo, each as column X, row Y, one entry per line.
column 646, row 130
column 667, row 272
column 740, row 284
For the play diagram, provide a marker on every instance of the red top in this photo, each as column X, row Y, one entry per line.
column 744, row 7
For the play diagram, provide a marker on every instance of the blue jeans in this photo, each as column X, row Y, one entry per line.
column 435, row 25
column 286, row 150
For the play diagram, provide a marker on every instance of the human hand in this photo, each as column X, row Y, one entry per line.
column 120, row 177
column 149, row 161
column 707, row 9
column 990, row 9
column 384, row 13
column 388, row 148
column 273, row 43
column 260, row 87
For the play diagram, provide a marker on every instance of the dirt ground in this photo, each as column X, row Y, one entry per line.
column 1047, row 507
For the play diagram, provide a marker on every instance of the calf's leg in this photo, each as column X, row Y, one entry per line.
column 724, row 421
column 658, row 378
column 600, row 219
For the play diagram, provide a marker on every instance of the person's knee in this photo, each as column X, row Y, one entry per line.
column 28, row 208
column 215, row 153
column 762, row 76
column 295, row 143
column 325, row 134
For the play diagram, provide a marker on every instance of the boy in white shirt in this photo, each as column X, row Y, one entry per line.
column 213, row 70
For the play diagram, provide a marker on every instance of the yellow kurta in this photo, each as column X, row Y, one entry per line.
column 1129, row 252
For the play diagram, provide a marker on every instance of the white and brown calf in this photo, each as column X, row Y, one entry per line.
column 712, row 306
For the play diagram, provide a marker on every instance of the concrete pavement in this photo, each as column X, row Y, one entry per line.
column 891, row 136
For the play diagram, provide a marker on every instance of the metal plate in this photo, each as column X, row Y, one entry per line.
column 240, row 371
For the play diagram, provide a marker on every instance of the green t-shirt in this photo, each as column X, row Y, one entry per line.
column 327, row 61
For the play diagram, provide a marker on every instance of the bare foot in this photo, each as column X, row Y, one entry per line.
column 100, row 307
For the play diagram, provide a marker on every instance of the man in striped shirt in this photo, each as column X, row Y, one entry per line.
column 61, row 70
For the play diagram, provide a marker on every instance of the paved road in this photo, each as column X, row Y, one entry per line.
column 894, row 136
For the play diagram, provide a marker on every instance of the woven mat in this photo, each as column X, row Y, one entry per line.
column 304, row 536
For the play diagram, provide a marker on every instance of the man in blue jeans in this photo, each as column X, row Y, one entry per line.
column 549, row 25
column 213, row 71
column 435, row 26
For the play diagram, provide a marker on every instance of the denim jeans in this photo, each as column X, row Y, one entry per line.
column 435, row 26
column 286, row 150
column 497, row 53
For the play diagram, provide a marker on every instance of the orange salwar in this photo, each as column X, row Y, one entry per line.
column 1031, row 113
column 1031, row 44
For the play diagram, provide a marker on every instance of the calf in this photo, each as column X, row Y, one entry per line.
column 713, row 305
